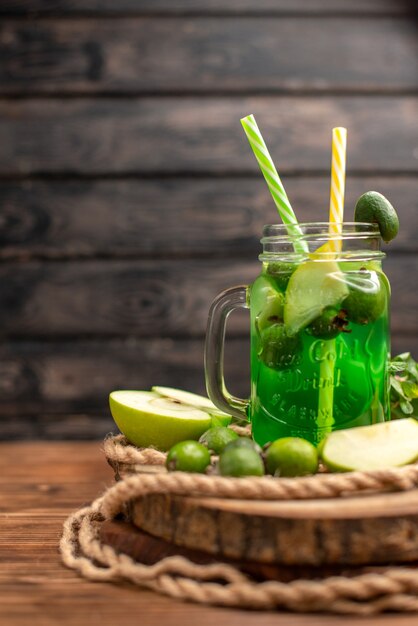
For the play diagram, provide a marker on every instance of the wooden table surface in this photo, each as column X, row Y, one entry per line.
column 40, row 484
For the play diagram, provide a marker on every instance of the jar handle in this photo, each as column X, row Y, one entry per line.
column 222, row 306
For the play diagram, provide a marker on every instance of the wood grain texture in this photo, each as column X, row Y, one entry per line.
column 177, row 135
column 145, row 548
column 159, row 55
column 354, row 531
column 56, row 426
column 172, row 217
column 148, row 196
column 41, row 381
column 59, row 390
column 119, row 297
column 276, row 7
column 51, row 481
column 146, row 298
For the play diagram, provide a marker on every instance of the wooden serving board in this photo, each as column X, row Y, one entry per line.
column 366, row 529
column 357, row 530
column 144, row 548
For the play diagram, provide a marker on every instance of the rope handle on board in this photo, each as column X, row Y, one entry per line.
column 119, row 451
column 391, row 588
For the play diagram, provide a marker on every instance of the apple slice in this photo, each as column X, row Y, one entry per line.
column 148, row 419
column 313, row 287
column 193, row 399
column 388, row 444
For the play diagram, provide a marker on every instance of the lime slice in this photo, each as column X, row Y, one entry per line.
column 375, row 208
column 388, row 444
column 314, row 286
column 194, row 400
column 147, row 419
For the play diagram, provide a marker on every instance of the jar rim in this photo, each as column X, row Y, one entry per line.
column 308, row 229
column 357, row 240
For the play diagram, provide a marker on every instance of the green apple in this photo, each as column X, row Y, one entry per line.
column 193, row 399
column 314, row 286
column 148, row 419
column 388, row 444
column 272, row 311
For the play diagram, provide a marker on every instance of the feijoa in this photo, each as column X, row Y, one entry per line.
column 217, row 438
column 240, row 461
column 291, row 456
column 188, row 456
column 365, row 305
column 375, row 208
column 279, row 350
column 329, row 324
column 281, row 271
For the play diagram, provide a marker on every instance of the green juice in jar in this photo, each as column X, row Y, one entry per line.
column 304, row 383
column 320, row 339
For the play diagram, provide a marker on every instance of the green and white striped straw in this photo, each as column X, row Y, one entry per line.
column 273, row 181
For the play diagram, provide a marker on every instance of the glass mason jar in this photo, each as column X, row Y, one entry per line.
column 320, row 339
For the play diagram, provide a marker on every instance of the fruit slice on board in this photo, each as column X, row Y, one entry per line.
column 147, row 419
column 314, row 286
column 388, row 444
column 195, row 400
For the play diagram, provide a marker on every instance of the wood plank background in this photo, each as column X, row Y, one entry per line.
column 129, row 197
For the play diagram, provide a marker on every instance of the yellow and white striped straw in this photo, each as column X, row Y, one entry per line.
column 336, row 208
column 273, row 181
column 325, row 419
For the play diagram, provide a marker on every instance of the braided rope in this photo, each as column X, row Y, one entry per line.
column 118, row 450
column 391, row 588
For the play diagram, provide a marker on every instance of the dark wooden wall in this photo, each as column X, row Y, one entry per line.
column 128, row 194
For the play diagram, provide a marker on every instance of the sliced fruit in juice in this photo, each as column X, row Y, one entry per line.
column 314, row 286
column 272, row 311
